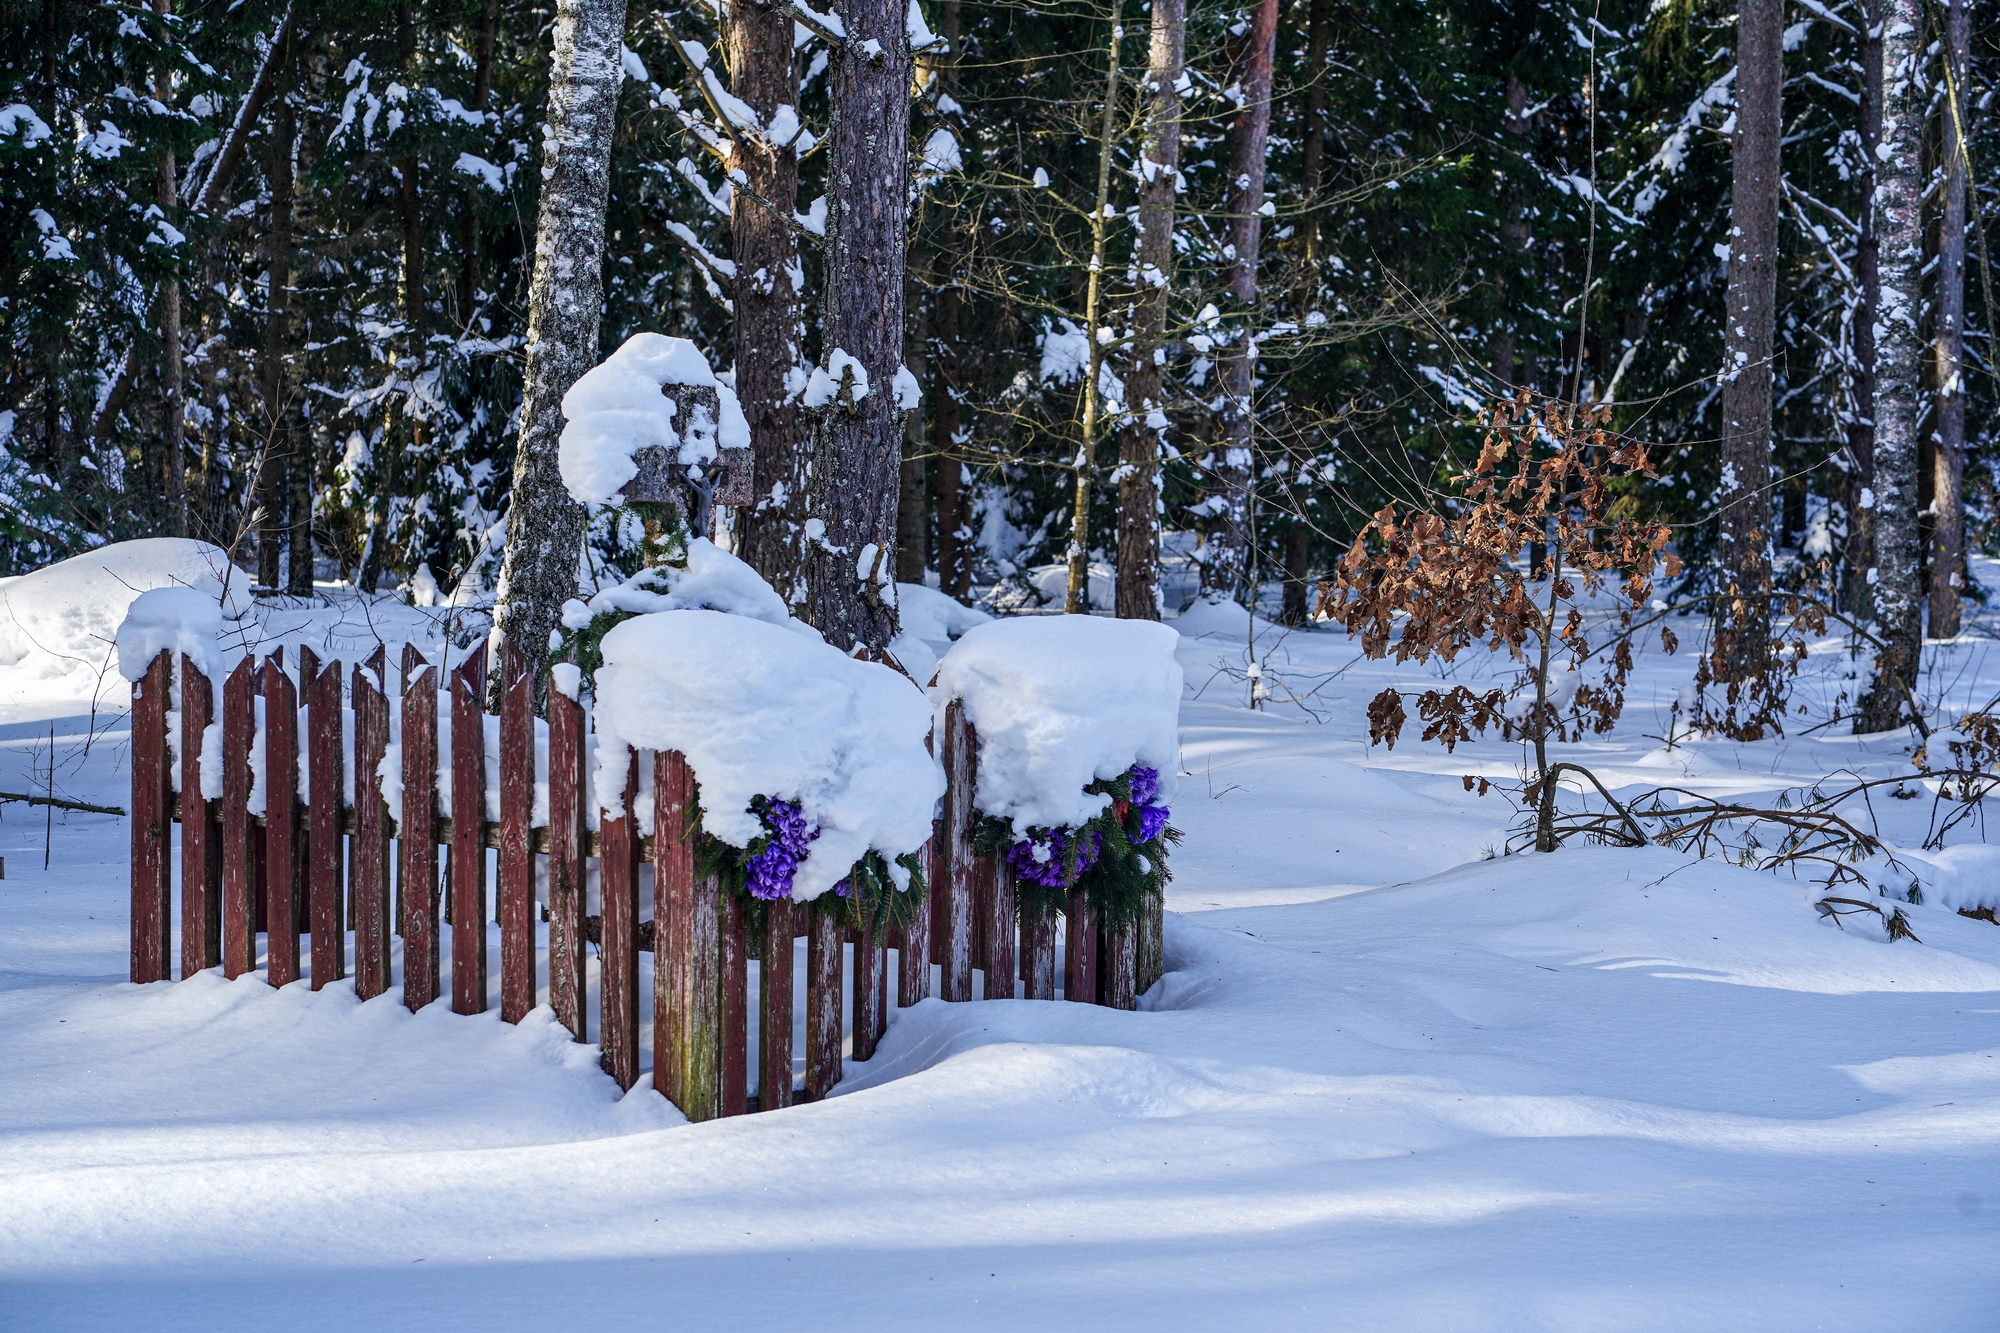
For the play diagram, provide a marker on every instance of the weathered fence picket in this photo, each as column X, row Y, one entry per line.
column 371, row 831
column 420, row 855
column 281, row 823
column 468, row 850
column 201, row 838
column 326, row 763
column 152, row 825
column 567, row 876
column 517, row 858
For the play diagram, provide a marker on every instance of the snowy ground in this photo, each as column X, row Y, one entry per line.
column 1387, row 1083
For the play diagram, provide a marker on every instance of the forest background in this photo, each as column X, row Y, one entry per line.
column 270, row 271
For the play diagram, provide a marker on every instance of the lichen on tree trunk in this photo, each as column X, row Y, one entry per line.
column 565, row 301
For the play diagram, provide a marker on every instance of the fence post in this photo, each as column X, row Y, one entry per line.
column 201, row 847
column 997, row 892
column 468, row 847
column 369, row 865
column 687, row 952
column 774, row 1020
column 417, row 831
column 1121, row 957
column 822, row 1001
column 1080, row 950
column 327, row 764
column 1038, row 948
column 1151, row 963
column 517, row 859
column 566, row 861
column 239, row 912
column 281, row 823
column 618, row 988
column 955, row 917
column 870, row 971
column 152, row 824
column 913, row 948
column 735, row 1002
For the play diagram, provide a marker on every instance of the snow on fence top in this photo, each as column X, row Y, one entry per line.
column 761, row 710
column 619, row 407
column 57, row 621
column 180, row 621
column 1060, row 701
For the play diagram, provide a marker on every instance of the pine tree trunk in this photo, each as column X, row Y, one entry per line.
column 274, row 469
column 1899, row 399
column 1232, row 471
column 565, row 302
column 1139, row 446
column 1312, row 137
column 1948, row 474
column 1744, row 498
column 173, row 444
column 858, row 445
column 763, row 73
column 1859, row 597
column 468, row 223
column 954, row 556
column 912, row 490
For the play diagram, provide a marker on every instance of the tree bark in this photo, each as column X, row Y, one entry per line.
column 954, row 554
column 1231, row 473
column 763, row 73
column 1312, row 140
column 912, row 491
column 1744, row 498
column 173, row 444
column 468, row 224
column 565, row 302
column 274, row 469
column 1898, row 369
column 1860, row 553
column 1948, row 473
column 1138, row 592
column 857, row 451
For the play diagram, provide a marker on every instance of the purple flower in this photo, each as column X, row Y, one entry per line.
column 1152, row 821
column 768, row 874
column 1145, row 784
column 1040, row 859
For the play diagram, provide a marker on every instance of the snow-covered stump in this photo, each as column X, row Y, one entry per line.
column 618, row 977
column 567, row 874
column 468, row 847
column 239, row 861
column 152, row 825
column 201, row 835
column 419, row 881
column 370, row 860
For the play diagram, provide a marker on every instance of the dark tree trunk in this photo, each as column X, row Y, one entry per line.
column 1138, row 592
column 954, row 554
column 858, row 445
column 763, row 73
column 1312, row 138
column 565, row 302
column 1745, row 496
column 1231, row 474
column 1860, row 553
column 274, row 470
column 1297, row 607
column 1515, row 234
column 912, row 491
column 468, row 225
column 1948, row 474
column 1899, row 402
column 173, row 445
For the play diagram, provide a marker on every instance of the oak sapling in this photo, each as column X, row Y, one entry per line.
column 1426, row 585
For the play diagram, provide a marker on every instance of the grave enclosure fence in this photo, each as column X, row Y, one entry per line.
column 306, row 865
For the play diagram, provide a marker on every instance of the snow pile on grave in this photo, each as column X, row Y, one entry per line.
column 760, row 710
column 63, row 621
column 620, row 407
column 1059, row 702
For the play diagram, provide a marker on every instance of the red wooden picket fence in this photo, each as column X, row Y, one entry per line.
column 328, row 867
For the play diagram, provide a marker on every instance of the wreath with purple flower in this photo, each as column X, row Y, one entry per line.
column 763, row 871
column 1118, row 859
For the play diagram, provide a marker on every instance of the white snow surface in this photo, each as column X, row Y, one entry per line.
column 619, row 407
column 1386, row 1083
column 762, row 711
column 181, row 621
column 714, row 580
column 59, row 625
column 1059, row 701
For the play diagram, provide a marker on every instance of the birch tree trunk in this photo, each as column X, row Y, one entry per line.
column 1859, row 594
column 769, row 318
column 1948, row 473
column 1138, row 592
column 1744, row 498
column 1899, row 399
column 565, row 303
column 850, row 569
column 1231, row 471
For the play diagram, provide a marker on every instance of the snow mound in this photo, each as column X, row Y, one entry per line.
column 64, row 621
column 619, row 407
column 762, row 711
column 180, row 621
column 714, row 580
column 930, row 620
column 1059, row 701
